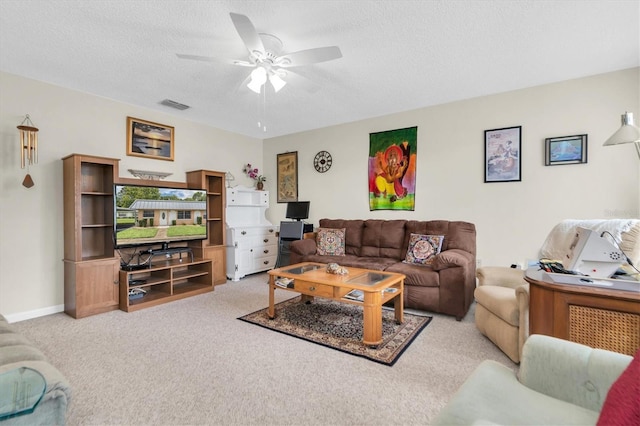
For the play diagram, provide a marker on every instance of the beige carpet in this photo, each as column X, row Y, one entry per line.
column 191, row 362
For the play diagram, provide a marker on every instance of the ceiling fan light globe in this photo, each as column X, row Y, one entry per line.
column 277, row 82
column 258, row 78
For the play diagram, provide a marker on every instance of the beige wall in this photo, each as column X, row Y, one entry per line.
column 31, row 234
column 512, row 218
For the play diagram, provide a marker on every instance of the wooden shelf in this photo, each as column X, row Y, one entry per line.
column 166, row 281
column 214, row 246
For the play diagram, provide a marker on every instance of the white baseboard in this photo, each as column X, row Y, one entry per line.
column 22, row 316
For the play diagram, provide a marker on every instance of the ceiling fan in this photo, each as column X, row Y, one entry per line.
column 266, row 57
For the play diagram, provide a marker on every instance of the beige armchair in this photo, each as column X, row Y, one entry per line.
column 502, row 294
column 502, row 308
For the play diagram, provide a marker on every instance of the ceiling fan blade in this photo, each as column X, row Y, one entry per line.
column 247, row 33
column 308, row 57
column 217, row 60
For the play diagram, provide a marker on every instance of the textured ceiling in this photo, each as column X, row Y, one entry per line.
column 397, row 55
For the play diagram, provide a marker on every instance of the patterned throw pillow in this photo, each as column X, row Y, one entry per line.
column 423, row 248
column 330, row 241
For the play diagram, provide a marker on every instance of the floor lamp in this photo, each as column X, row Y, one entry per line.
column 627, row 133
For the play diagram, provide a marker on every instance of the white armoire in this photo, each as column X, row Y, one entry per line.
column 252, row 242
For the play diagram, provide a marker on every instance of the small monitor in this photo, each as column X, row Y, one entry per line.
column 291, row 230
column 298, row 210
column 593, row 255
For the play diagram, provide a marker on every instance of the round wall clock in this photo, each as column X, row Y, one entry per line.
column 322, row 161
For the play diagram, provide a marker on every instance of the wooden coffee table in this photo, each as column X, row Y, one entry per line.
column 370, row 288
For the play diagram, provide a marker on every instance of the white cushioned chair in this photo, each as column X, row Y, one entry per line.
column 502, row 294
column 558, row 383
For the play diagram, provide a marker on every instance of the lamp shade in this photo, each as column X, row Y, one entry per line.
column 628, row 133
column 277, row 82
column 258, row 78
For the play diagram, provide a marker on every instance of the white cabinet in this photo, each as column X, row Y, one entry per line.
column 253, row 249
column 252, row 243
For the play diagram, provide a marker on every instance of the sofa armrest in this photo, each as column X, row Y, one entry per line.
column 500, row 275
column 451, row 258
column 52, row 408
column 570, row 371
column 303, row 247
column 522, row 298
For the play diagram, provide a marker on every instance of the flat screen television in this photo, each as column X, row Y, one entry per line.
column 591, row 254
column 151, row 215
column 298, row 210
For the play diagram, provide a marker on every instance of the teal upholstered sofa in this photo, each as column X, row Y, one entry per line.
column 16, row 352
column 559, row 383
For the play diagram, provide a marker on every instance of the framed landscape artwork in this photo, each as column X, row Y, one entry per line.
column 502, row 161
column 287, row 177
column 565, row 150
column 149, row 139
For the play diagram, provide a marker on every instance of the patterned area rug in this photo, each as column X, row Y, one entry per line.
column 339, row 326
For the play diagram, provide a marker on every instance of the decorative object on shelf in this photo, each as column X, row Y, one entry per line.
column 565, row 150
column 28, row 147
column 627, row 133
column 334, row 268
column 392, row 169
column 322, row 161
column 149, row 139
column 228, row 178
column 149, row 175
column 502, row 160
column 287, row 177
column 253, row 173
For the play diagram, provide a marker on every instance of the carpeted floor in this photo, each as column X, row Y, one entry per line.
column 191, row 362
column 339, row 326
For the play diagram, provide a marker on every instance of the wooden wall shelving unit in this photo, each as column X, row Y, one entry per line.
column 90, row 265
column 93, row 281
column 214, row 246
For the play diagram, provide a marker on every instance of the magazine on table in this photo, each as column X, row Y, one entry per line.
column 284, row 282
column 355, row 295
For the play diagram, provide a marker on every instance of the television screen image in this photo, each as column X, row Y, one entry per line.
column 593, row 255
column 148, row 215
column 298, row 210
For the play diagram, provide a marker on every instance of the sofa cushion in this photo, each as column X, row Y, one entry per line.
column 423, row 248
column 330, row 242
column 622, row 404
column 458, row 235
column 417, row 275
column 383, row 238
column 353, row 232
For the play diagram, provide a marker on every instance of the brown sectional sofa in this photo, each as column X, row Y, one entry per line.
column 446, row 286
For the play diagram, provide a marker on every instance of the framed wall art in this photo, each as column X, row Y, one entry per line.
column 287, row 177
column 502, row 160
column 149, row 139
column 565, row 150
column 392, row 169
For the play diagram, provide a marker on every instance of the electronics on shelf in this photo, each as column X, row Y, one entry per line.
column 298, row 210
column 153, row 215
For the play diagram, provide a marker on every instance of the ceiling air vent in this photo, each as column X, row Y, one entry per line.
column 174, row 104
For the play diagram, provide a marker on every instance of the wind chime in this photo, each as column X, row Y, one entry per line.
column 28, row 148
